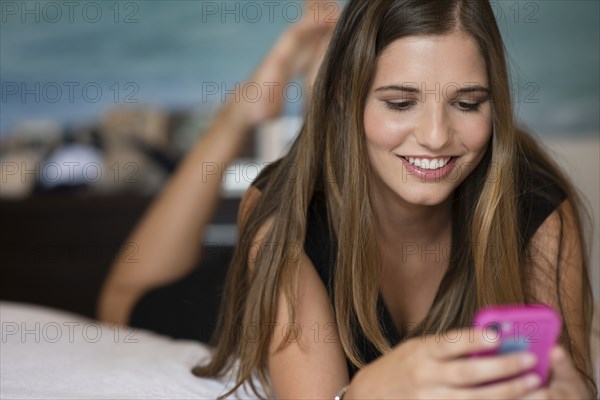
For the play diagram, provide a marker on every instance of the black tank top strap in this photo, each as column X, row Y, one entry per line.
column 539, row 198
column 320, row 245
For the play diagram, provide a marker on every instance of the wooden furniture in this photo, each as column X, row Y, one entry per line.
column 56, row 249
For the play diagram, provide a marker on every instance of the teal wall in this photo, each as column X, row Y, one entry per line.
column 161, row 52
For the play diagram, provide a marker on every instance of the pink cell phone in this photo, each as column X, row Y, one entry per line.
column 534, row 328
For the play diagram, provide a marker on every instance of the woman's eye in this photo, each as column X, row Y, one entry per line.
column 404, row 105
column 468, row 107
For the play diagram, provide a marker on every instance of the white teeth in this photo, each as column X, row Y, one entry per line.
column 426, row 163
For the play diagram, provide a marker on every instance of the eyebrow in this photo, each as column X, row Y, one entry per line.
column 412, row 89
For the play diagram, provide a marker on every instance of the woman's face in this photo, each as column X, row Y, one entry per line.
column 429, row 102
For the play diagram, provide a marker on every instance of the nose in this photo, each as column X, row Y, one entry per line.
column 435, row 133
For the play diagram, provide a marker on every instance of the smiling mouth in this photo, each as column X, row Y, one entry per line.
column 428, row 163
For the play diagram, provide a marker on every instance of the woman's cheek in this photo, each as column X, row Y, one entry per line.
column 383, row 131
column 476, row 134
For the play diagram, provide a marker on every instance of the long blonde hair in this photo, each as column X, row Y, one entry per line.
column 485, row 210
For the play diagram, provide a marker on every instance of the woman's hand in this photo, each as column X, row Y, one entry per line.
column 430, row 368
column 564, row 381
column 297, row 52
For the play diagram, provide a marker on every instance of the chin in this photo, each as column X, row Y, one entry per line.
column 423, row 197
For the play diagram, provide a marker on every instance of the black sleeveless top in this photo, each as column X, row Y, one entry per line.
column 321, row 248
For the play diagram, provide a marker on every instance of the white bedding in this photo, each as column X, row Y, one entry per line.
column 52, row 354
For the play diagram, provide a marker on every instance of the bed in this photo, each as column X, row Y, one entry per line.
column 53, row 354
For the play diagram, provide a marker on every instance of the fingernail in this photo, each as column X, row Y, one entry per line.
column 532, row 380
column 528, row 360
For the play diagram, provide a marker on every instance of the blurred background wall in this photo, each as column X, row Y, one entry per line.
column 78, row 77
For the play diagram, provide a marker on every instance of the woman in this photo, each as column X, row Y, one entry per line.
column 350, row 158
column 408, row 145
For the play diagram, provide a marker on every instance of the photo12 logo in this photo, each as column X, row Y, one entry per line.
column 71, row 331
column 253, row 12
column 125, row 12
column 69, row 92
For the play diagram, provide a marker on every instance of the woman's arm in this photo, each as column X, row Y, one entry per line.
column 313, row 364
column 556, row 252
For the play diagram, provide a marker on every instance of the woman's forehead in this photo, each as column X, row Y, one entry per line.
column 432, row 59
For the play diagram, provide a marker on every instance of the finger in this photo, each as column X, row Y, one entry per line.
column 561, row 364
column 540, row 394
column 510, row 389
column 475, row 371
column 459, row 342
